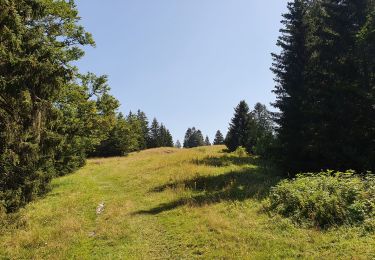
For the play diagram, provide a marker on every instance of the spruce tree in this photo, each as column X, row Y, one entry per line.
column 293, row 96
column 193, row 138
column 187, row 138
column 325, row 86
column 263, row 131
column 343, row 107
column 219, row 138
column 164, row 138
column 207, row 141
column 153, row 139
column 142, row 118
column 178, row 144
column 239, row 128
column 50, row 115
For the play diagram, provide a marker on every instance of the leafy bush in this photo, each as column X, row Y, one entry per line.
column 241, row 152
column 325, row 199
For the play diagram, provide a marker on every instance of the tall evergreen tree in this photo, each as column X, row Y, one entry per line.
column 142, row 118
column 325, row 87
column 219, row 138
column 188, row 136
column 165, row 138
column 207, row 141
column 263, row 131
column 193, row 138
column 153, row 140
column 239, row 128
column 292, row 93
column 49, row 116
column 178, row 144
column 339, row 89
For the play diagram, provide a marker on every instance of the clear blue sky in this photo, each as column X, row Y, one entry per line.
column 185, row 62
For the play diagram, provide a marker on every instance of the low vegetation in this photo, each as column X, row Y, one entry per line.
column 169, row 203
column 326, row 199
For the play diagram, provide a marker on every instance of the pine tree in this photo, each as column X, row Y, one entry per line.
column 263, row 131
column 292, row 93
column 153, row 139
column 207, row 141
column 339, row 140
column 239, row 128
column 178, row 144
column 169, row 139
column 187, row 138
column 219, row 138
column 142, row 118
column 50, row 115
column 193, row 138
column 325, row 86
column 165, row 138
column 198, row 139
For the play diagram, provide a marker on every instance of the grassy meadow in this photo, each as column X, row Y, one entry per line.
column 166, row 203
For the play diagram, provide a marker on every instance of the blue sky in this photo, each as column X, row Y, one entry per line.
column 185, row 62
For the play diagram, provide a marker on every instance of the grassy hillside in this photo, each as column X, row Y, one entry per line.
column 169, row 204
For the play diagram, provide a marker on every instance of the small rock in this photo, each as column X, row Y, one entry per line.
column 100, row 208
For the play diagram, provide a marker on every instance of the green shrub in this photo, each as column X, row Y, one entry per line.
column 325, row 199
column 241, row 152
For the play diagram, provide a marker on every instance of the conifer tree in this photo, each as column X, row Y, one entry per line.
column 207, row 141
column 178, row 144
column 325, row 87
column 169, row 139
column 193, row 138
column 263, row 131
column 239, row 128
column 142, row 118
column 292, row 93
column 187, row 138
column 219, row 138
column 50, row 115
column 153, row 140
column 164, row 138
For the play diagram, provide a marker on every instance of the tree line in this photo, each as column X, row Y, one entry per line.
column 133, row 133
column 194, row 138
column 325, row 75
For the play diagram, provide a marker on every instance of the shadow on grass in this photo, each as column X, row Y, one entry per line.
column 251, row 182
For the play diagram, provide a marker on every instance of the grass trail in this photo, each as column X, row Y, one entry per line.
column 169, row 204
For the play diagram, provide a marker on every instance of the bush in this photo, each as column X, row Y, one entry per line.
column 325, row 199
column 241, row 152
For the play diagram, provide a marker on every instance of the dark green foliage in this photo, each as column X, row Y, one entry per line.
column 121, row 140
column 262, row 132
column 325, row 199
column 143, row 137
column 292, row 95
column 193, row 138
column 219, row 138
column 86, row 115
column 132, row 134
column 159, row 136
column 251, row 130
column 239, row 128
column 49, row 114
column 153, row 138
column 325, row 91
column 178, row 144
column 207, row 141
column 165, row 137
